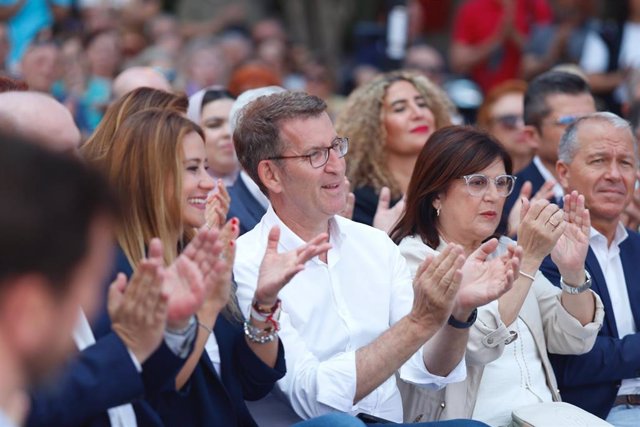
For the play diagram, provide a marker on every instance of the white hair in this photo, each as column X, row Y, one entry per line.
column 569, row 142
column 245, row 99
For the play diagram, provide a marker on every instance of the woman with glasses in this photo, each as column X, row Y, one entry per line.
column 456, row 194
column 388, row 121
column 501, row 114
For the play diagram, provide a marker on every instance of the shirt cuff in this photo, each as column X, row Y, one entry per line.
column 573, row 326
column 179, row 342
column 415, row 372
column 337, row 378
column 135, row 361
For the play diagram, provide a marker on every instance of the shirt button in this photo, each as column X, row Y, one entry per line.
column 489, row 340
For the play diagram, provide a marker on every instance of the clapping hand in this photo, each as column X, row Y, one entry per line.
column 277, row 269
column 436, row 285
column 485, row 280
column 138, row 311
column 540, row 228
column 347, row 212
column 571, row 249
column 217, row 207
column 386, row 217
column 544, row 193
column 218, row 270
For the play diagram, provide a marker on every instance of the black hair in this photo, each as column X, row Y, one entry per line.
column 48, row 203
column 215, row 94
column 546, row 84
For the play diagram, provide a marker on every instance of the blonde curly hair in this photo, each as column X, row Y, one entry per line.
column 361, row 121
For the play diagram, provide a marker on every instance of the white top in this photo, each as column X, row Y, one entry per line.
column 609, row 260
column 330, row 310
column 558, row 192
column 120, row 416
column 518, row 374
column 595, row 55
column 213, row 351
column 254, row 189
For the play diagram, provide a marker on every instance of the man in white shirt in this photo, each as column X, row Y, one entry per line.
column 349, row 319
column 598, row 158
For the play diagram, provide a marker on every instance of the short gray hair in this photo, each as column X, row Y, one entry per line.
column 569, row 142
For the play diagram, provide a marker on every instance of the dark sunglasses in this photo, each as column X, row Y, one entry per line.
column 509, row 121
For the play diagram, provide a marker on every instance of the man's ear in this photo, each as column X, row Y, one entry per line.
column 271, row 176
column 532, row 136
column 563, row 173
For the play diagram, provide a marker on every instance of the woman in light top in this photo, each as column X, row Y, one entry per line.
column 456, row 194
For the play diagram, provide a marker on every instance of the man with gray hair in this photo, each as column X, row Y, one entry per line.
column 598, row 158
column 349, row 321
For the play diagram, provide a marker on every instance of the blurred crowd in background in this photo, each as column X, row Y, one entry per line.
column 74, row 49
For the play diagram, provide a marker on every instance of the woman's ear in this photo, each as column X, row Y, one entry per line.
column 437, row 202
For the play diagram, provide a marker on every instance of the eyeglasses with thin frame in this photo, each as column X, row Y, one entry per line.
column 320, row 156
column 478, row 184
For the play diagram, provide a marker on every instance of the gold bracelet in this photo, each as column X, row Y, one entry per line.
column 528, row 276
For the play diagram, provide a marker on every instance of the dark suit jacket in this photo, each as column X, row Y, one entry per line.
column 103, row 376
column 530, row 173
column 207, row 399
column 591, row 380
column 244, row 206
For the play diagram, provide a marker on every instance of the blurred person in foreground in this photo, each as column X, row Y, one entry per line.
column 52, row 261
column 141, row 356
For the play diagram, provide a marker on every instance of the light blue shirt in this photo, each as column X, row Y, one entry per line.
column 33, row 17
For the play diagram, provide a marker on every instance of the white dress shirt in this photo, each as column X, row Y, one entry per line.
column 558, row 192
column 608, row 257
column 330, row 310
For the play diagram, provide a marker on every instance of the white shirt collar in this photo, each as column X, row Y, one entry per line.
column 558, row 192
column 619, row 237
column 290, row 240
column 254, row 189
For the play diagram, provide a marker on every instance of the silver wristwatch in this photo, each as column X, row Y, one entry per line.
column 573, row 290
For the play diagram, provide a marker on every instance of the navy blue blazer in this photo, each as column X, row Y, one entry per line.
column 244, row 206
column 207, row 399
column 530, row 173
column 591, row 380
column 103, row 376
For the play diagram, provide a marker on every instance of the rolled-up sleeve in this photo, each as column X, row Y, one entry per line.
column 415, row 372
column 563, row 332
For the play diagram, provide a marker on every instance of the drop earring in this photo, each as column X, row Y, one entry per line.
column 437, row 211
